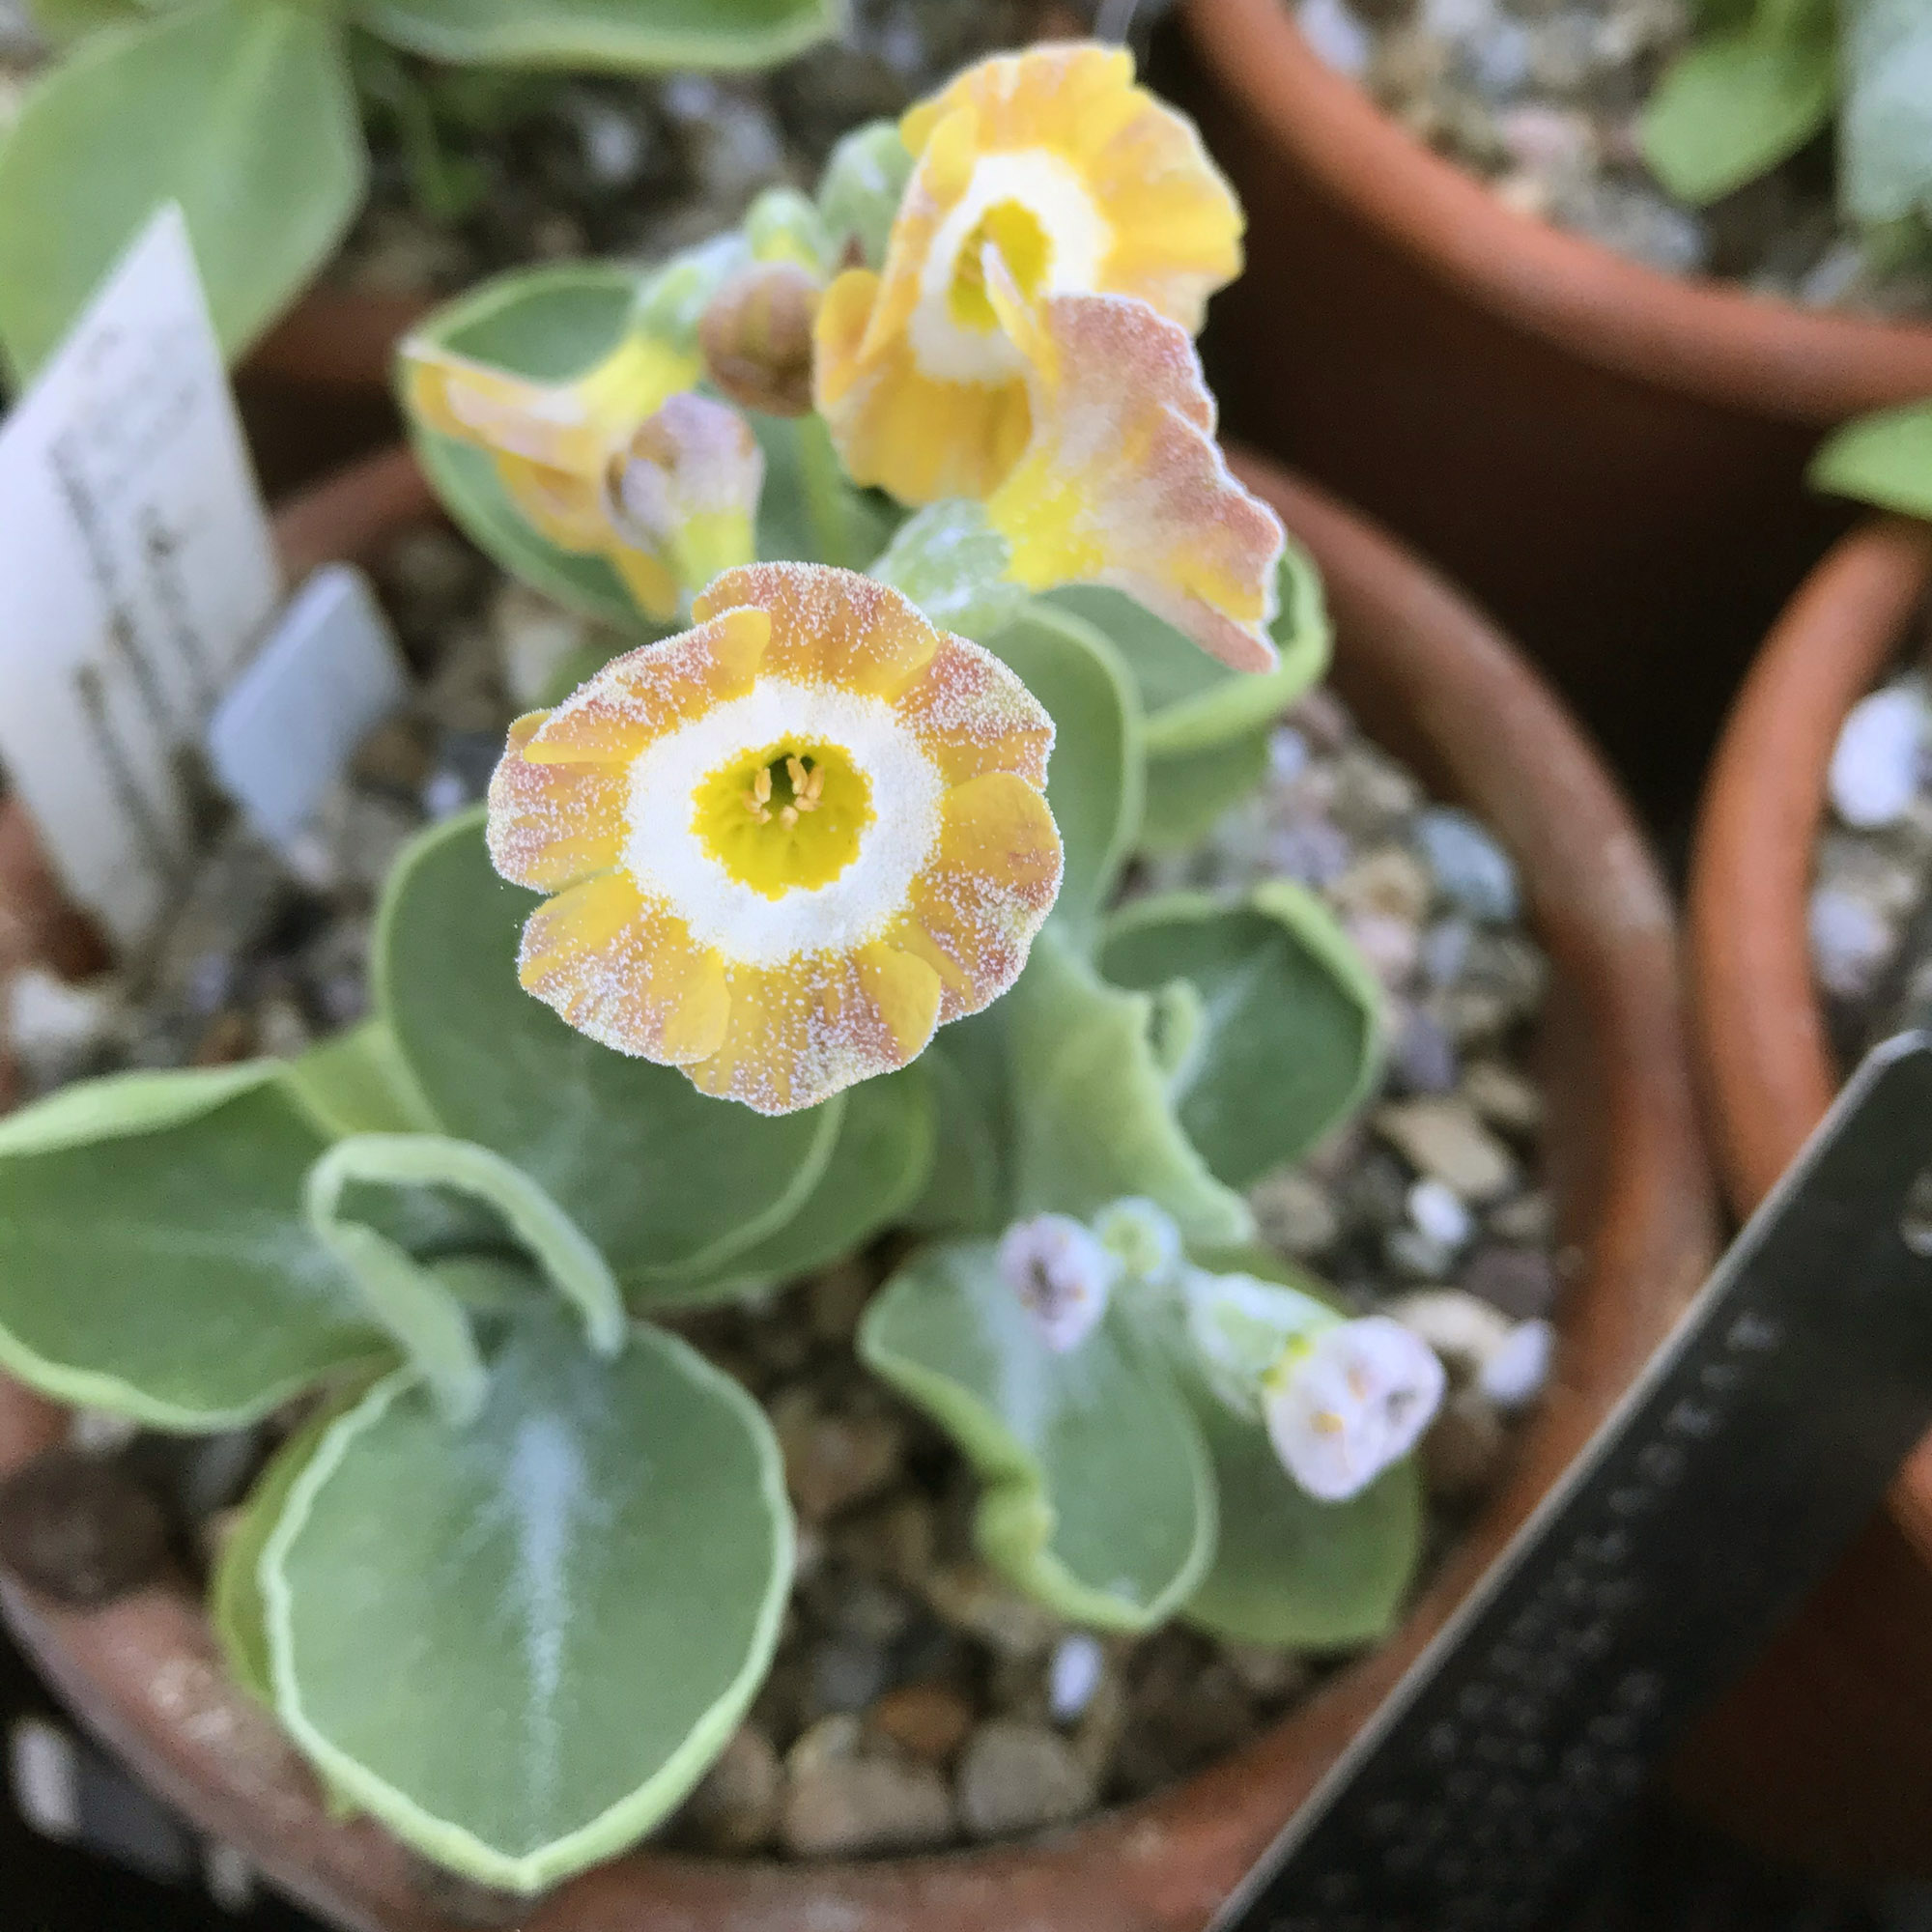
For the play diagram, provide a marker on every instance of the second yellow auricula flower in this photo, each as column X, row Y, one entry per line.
column 1085, row 183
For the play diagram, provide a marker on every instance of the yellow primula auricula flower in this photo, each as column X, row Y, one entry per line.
column 784, row 845
column 1121, row 481
column 625, row 463
column 1085, row 183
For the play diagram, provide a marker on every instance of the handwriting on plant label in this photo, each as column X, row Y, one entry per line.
column 139, row 572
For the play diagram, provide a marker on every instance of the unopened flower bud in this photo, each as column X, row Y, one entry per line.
column 756, row 338
column 686, row 490
column 1349, row 1402
column 1061, row 1275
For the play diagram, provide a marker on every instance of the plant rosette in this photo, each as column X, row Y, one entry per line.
column 935, row 932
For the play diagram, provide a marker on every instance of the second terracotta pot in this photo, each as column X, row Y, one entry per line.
column 1610, row 458
column 1437, row 683
column 1827, row 1752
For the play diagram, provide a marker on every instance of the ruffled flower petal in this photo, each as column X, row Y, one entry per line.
column 989, row 885
column 786, row 843
column 1084, row 182
column 1124, row 484
column 550, row 825
column 829, row 626
column 973, row 715
column 796, row 1038
column 646, row 693
column 625, row 972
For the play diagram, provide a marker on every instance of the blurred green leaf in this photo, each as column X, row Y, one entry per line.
column 1884, row 459
column 620, row 36
column 240, row 110
column 153, row 1259
column 1739, row 102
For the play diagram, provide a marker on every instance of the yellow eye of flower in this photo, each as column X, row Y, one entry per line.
column 1083, row 183
column 1014, row 230
column 784, row 845
column 785, row 817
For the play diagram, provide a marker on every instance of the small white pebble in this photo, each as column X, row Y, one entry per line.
column 1438, row 1211
column 1288, row 754
column 1466, row 1331
column 1513, row 1376
column 1851, row 942
column 1875, row 764
column 1339, row 40
column 1074, row 1676
column 443, row 793
column 45, row 1779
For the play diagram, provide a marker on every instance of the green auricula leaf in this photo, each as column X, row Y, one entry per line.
column 879, row 1169
column 357, row 1084
column 1095, row 781
column 1187, row 793
column 1098, row 1496
column 671, row 1185
column 582, row 1589
column 1093, row 1117
column 1740, row 101
column 1192, row 702
column 153, row 1259
column 1288, row 1038
column 621, row 36
column 1884, row 459
column 240, row 110
column 235, row 1607
column 551, row 323
column 969, row 1187
column 1885, row 122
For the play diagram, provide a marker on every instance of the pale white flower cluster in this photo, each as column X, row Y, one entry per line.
column 1340, row 1400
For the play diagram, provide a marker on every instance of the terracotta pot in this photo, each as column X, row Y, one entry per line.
column 1827, row 1751
column 1609, row 457
column 315, row 393
column 1441, row 687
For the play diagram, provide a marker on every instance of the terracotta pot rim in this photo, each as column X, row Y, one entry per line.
column 1601, row 911
column 1713, row 340
column 1766, row 1062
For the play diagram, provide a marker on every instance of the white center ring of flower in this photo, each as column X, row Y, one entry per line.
column 666, row 856
column 1078, row 237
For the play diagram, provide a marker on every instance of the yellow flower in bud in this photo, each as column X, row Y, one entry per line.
column 1085, row 183
column 1121, row 481
column 786, row 844
column 623, row 463
column 756, row 337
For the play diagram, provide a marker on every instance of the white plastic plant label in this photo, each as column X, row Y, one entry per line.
column 136, row 574
column 329, row 673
